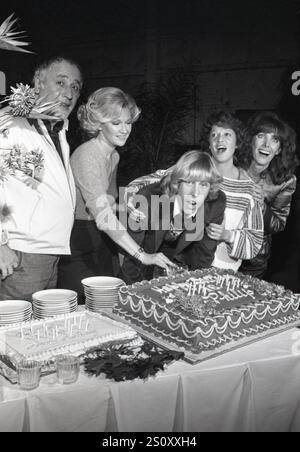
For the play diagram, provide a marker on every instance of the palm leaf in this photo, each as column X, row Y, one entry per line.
column 9, row 38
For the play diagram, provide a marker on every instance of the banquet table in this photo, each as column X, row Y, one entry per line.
column 252, row 388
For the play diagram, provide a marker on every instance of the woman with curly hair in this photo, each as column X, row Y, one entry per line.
column 107, row 117
column 240, row 235
column 187, row 198
column 271, row 163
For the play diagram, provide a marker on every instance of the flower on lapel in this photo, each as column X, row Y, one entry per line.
column 24, row 102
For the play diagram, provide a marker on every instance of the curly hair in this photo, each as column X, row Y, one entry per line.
column 102, row 106
column 283, row 166
column 229, row 121
column 192, row 166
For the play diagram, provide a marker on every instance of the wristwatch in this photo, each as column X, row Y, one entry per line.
column 4, row 238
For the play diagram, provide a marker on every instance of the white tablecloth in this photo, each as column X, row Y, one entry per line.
column 254, row 388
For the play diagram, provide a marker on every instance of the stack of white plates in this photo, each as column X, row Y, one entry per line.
column 101, row 292
column 14, row 311
column 52, row 302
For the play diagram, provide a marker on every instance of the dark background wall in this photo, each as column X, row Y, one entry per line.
column 239, row 50
column 238, row 54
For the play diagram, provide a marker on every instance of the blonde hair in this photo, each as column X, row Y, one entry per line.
column 192, row 166
column 104, row 105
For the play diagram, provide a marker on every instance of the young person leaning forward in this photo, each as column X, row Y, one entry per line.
column 175, row 212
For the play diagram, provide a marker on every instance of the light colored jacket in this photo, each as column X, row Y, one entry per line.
column 40, row 220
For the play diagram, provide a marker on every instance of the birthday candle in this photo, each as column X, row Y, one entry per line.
column 190, row 288
column 199, row 287
column 194, row 287
column 22, row 333
column 87, row 325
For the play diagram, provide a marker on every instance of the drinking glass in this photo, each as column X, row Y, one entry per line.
column 67, row 368
column 29, row 373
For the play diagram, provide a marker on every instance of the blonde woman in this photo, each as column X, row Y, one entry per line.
column 107, row 117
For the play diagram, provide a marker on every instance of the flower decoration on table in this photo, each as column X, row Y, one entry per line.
column 24, row 102
column 10, row 38
column 26, row 165
column 122, row 362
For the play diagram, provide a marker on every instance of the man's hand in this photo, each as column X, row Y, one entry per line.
column 8, row 261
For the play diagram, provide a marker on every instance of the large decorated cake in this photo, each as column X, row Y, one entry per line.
column 205, row 309
column 73, row 333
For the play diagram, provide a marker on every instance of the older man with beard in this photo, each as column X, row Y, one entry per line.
column 39, row 220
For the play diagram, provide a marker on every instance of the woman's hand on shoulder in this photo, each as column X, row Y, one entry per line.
column 218, row 232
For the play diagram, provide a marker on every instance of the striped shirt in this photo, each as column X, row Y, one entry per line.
column 243, row 216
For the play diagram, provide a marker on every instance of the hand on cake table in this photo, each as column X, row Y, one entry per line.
column 158, row 259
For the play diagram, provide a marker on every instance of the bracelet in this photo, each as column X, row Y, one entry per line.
column 4, row 238
column 138, row 253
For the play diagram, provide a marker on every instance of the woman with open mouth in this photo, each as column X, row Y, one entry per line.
column 272, row 164
column 240, row 235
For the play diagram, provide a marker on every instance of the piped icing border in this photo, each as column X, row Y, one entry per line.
column 123, row 332
column 142, row 308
